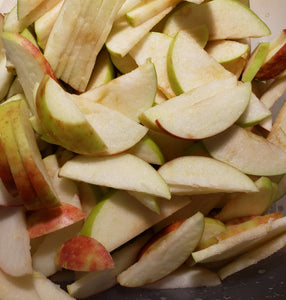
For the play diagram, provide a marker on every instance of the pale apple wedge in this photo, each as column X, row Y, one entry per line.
column 123, row 36
column 122, row 171
column 83, row 253
column 207, row 117
column 243, row 205
column 131, row 218
column 186, row 277
column 147, row 200
column 255, row 113
column 253, row 257
column 255, row 61
column 226, row 147
column 241, row 242
column 199, row 175
column 93, row 283
column 18, row 287
column 129, row 94
column 63, row 121
column 123, row 64
column 72, row 53
column 19, row 50
column 166, row 256
column 209, row 90
column 42, row 222
column 146, row 11
column 222, row 13
column 31, row 156
column 226, row 50
column 186, row 55
column 127, row 6
column 14, row 238
column 6, row 78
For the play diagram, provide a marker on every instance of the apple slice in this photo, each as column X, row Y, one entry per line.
column 20, row 50
column 239, row 243
column 185, row 55
column 6, row 199
column 166, row 256
column 226, row 147
column 123, row 36
column 123, row 64
column 83, row 253
column 94, row 283
column 255, row 61
column 129, row 94
column 236, row 66
column 275, row 61
column 51, row 219
column 222, row 13
column 149, row 201
column 253, row 257
column 242, row 205
column 207, row 117
column 63, row 121
column 201, row 175
column 122, row 171
column 226, row 50
column 31, row 156
column 131, row 218
column 14, row 238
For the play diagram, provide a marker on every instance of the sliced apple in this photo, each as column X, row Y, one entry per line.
column 236, row 66
column 122, row 171
column 51, row 219
column 185, row 55
column 255, row 61
column 201, row 175
column 123, row 64
column 166, row 256
column 6, row 199
column 242, row 205
column 131, row 218
column 83, row 253
column 19, row 50
column 222, row 13
column 149, row 201
column 14, row 239
column 226, row 147
column 130, row 94
column 207, row 117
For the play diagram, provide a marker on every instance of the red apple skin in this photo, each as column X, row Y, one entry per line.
column 44, row 221
column 155, row 238
column 83, row 253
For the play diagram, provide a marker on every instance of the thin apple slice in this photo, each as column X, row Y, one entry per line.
column 242, row 242
column 226, row 50
column 226, row 147
column 253, row 257
column 255, row 61
column 31, row 156
column 242, row 205
column 222, row 13
column 130, row 94
column 207, row 117
column 201, row 175
column 63, row 121
column 14, row 238
column 51, row 219
column 185, row 55
column 19, row 50
column 83, row 253
column 73, row 46
column 131, row 218
column 122, row 171
column 123, row 36
column 166, row 256
column 93, row 283
column 123, row 64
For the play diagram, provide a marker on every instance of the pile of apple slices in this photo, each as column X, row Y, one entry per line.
column 137, row 145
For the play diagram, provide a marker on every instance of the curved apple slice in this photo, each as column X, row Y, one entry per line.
column 122, row 171
column 169, row 253
column 207, row 117
column 239, row 147
column 83, row 253
column 63, row 120
column 202, row 175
